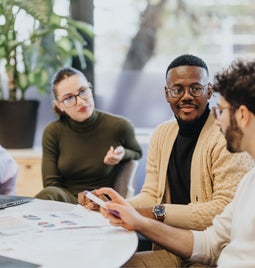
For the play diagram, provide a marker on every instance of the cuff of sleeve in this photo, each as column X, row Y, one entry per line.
column 197, row 253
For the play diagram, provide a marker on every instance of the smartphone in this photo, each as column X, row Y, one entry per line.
column 100, row 202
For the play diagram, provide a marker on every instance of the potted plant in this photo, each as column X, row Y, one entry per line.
column 29, row 55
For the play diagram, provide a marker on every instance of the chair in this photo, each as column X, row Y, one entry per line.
column 124, row 183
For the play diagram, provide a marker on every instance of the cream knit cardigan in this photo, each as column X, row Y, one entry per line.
column 215, row 174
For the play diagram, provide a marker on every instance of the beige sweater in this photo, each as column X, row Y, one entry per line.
column 215, row 174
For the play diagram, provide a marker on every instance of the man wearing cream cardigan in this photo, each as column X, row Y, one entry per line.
column 229, row 242
column 189, row 171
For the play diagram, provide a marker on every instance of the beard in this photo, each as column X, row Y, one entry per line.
column 233, row 136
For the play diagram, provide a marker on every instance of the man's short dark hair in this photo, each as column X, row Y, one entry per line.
column 187, row 60
column 237, row 84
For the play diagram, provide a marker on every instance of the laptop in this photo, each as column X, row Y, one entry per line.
column 6, row 262
column 13, row 200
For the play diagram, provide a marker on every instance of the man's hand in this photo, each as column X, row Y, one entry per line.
column 89, row 204
column 128, row 218
column 114, row 156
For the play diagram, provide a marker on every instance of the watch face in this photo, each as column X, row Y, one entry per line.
column 159, row 210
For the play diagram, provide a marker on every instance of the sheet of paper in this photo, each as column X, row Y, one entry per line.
column 11, row 225
column 23, row 221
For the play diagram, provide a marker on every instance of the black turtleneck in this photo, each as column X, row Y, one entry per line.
column 179, row 165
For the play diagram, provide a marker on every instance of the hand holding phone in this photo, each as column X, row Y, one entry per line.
column 100, row 202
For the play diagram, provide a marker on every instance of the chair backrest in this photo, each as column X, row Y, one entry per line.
column 124, row 183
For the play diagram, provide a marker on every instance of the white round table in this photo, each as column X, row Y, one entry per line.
column 95, row 244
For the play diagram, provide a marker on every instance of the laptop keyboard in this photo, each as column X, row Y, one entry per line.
column 4, row 201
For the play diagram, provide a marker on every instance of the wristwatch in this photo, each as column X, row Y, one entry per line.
column 159, row 211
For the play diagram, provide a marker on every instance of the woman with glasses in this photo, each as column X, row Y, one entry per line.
column 82, row 148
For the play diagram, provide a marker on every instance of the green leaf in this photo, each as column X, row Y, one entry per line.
column 50, row 46
column 23, row 81
column 39, row 9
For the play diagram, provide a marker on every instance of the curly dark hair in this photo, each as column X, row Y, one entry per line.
column 187, row 60
column 237, row 84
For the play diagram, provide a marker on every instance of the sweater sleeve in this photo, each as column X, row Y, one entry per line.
column 156, row 164
column 209, row 243
column 133, row 150
column 50, row 173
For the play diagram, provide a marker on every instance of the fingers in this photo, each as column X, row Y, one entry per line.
column 81, row 199
column 114, row 156
column 116, row 221
column 108, row 156
column 110, row 152
column 112, row 216
column 89, row 204
column 119, row 150
column 126, row 215
column 111, row 193
column 92, row 206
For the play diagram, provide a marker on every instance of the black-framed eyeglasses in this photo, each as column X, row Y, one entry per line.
column 177, row 91
column 218, row 110
column 84, row 93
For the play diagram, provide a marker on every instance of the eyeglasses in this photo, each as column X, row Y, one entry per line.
column 177, row 91
column 85, row 93
column 218, row 110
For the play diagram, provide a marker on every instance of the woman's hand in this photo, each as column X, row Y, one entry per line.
column 114, row 156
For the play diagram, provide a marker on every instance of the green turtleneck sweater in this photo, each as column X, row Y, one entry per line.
column 73, row 152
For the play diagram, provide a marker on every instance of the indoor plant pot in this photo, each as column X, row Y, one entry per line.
column 30, row 59
column 18, row 123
